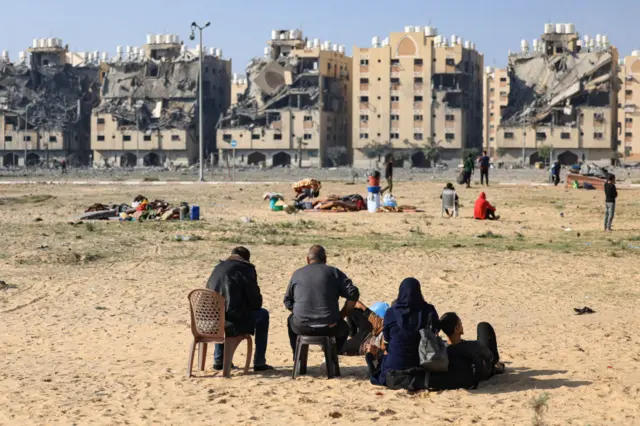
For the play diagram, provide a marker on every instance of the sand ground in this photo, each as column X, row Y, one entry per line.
column 95, row 322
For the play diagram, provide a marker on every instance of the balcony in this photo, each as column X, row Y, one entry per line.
column 395, row 74
column 395, row 69
column 418, row 87
column 395, row 106
column 364, row 86
column 364, row 69
column 417, row 105
column 308, row 125
column 364, row 125
column 364, row 93
column 364, row 106
column 418, row 69
column 276, row 125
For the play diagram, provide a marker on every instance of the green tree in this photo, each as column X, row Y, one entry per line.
column 545, row 153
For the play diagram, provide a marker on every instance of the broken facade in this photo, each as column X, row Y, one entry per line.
column 629, row 106
column 149, row 110
column 45, row 106
column 561, row 94
column 296, row 107
column 413, row 90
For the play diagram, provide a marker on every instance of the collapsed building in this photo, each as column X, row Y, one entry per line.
column 561, row 94
column 416, row 92
column 296, row 106
column 629, row 106
column 46, row 99
column 148, row 115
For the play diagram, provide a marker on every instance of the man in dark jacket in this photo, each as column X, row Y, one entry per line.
column 468, row 167
column 312, row 297
column 388, row 175
column 611, row 193
column 236, row 280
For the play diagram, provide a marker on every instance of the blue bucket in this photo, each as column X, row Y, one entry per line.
column 373, row 189
column 195, row 212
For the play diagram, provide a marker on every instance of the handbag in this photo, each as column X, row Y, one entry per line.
column 432, row 351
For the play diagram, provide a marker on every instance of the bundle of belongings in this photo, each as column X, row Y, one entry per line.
column 335, row 203
column 140, row 209
column 275, row 198
column 397, row 209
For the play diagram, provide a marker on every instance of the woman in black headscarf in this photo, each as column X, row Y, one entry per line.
column 402, row 324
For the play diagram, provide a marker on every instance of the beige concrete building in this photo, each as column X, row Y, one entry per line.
column 496, row 97
column 414, row 89
column 239, row 86
column 629, row 107
column 148, row 115
column 562, row 94
column 50, row 121
column 296, row 108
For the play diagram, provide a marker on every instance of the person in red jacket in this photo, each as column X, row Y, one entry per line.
column 483, row 210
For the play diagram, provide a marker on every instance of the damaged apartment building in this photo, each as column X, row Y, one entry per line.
column 46, row 99
column 562, row 94
column 295, row 108
column 413, row 92
column 148, row 115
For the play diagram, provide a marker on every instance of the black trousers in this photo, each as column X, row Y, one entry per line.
column 556, row 179
column 359, row 330
column 340, row 332
column 484, row 175
column 467, row 178
column 487, row 336
column 489, row 215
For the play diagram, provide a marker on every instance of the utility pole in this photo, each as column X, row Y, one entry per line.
column 24, row 138
column 524, row 137
column 195, row 26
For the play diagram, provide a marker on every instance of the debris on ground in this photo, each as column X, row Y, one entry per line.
column 141, row 209
column 585, row 310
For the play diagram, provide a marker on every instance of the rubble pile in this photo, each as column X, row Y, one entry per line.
column 141, row 209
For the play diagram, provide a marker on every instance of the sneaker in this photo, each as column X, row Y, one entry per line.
column 220, row 367
column 259, row 368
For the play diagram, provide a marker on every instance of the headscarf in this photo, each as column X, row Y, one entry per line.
column 411, row 311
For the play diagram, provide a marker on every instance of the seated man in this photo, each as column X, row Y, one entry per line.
column 236, row 280
column 312, row 297
column 483, row 210
column 449, row 187
column 366, row 331
column 470, row 361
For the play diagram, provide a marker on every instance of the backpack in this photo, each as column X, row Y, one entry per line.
column 432, row 351
column 461, row 178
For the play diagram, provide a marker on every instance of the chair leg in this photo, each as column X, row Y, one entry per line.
column 304, row 355
column 249, row 354
column 229, row 350
column 328, row 356
column 296, row 359
column 192, row 352
column 202, row 361
column 335, row 360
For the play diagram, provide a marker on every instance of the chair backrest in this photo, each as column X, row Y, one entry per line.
column 207, row 313
column 448, row 198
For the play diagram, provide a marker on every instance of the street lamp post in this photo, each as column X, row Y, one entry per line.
column 24, row 137
column 195, row 26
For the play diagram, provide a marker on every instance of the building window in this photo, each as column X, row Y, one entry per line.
column 450, row 117
column 395, row 99
column 53, row 139
column 418, row 80
column 491, row 139
column 8, row 138
column 307, row 136
column 364, row 135
column 503, row 79
column 395, row 136
column 417, row 117
column 175, row 138
column 277, row 136
column 449, row 136
column 147, row 138
column 27, row 138
column 255, row 136
column 598, row 135
column 126, row 138
column 541, row 136
column 628, row 120
column 226, row 137
column 100, row 138
column 308, row 118
column 417, row 98
column 565, row 135
column 417, row 62
column 503, row 93
column 628, row 92
column 395, row 81
column 628, row 134
column 395, row 62
column 508, row 135
column 364, row 62
column 364, row 118
column 492, row 90
column 418, row 136
column 395, row 117
column 100, row 120
column 364, row 81
column 364, row 99
column 450, row 61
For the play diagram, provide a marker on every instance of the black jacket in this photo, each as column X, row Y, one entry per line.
column 610, row 192
column 237, row 281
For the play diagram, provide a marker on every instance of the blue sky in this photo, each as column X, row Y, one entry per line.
column 241, row 28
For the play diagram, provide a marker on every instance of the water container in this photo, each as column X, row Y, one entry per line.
column 549, row 28
column 417, row 29
column 150, row 39
column 375, row 189
column 374, row 180
column 35, row 43
column 342, row 49
column 195, row 212
column 316, row 42
column 559, row 28
column 430, row 31
column 274, row 34
column 219, row 52
column 212, row 51
column 569, row 28
column 167, row 38
column 375, row 42
column 373, row 202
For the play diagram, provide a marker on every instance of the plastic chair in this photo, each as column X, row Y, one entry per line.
column 330, row 349
column 207, row 325
column 449, row 202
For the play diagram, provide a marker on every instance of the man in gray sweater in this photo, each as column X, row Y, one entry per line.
column 312, row 297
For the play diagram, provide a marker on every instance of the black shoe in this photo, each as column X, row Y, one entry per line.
column 220, row 367
column 259, row 368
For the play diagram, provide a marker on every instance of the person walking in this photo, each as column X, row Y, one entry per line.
column 611, row 194
column 484, row 161
column 236, row 280
column 469, row 167
column 555, row 172
column 388, row 175
column 63, row 164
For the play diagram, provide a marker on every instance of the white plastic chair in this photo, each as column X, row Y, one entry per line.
column 449, row 202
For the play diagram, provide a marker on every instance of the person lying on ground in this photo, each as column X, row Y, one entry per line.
column 399, row 368
column 236, row 280
column 366, row 332
column 470, row 361
column 312, row 297
column 307, row 188
column 483, row 209
column 450, row 187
